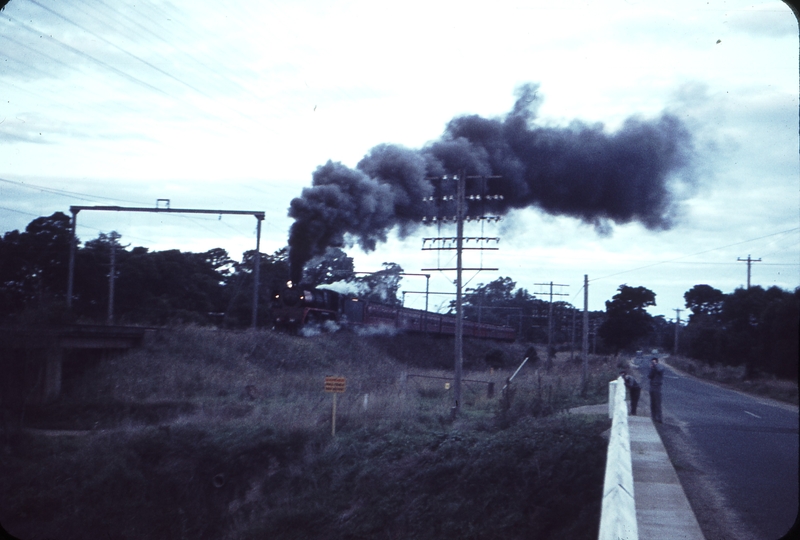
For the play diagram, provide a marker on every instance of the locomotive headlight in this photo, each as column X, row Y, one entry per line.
column 289, row 284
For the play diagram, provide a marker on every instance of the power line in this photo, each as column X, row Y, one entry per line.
column 137, row 29
column 89, row 57
column 19, row 211
column 65, row 193
column 117, row 47
column 82, row 226
column 698, row 253
column 214, row 73
column 89, row 198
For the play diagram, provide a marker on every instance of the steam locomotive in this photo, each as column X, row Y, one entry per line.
column 294, row 307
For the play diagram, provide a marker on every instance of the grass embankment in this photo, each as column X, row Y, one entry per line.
column 207, row 434
column 735, row 377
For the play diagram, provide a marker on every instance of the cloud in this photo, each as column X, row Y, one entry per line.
column 12, row 131
column 765, row 20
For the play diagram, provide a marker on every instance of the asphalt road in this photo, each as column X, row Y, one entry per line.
column 736, row 455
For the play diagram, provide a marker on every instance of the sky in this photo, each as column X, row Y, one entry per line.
column 234, row 107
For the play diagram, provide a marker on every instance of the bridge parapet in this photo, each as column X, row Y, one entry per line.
column 618, row 514
column 71, row 337
column 31, row 358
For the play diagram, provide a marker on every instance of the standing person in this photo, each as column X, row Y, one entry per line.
column 656, row 377
column 634, row 390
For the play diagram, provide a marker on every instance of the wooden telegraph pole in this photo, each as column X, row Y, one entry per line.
column 549, row 363
column 585, row 342
column 677, row 327
column 749, row 262
column 112, row 275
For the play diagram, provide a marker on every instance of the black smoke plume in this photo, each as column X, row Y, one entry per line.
column 633, row 174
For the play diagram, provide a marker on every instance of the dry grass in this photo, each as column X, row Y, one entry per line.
column 207, row 434
column 200, row 375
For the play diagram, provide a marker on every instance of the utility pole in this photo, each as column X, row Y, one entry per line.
column 749, row 262
column 73, row 244
column 550, row 322
column 460, row 193
column 112, row 275
column 572, row 336
column 585, row 347
column 677, row 326
column 256, row 273
column 447, row 243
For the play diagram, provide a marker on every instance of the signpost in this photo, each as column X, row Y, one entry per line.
column 335, row 385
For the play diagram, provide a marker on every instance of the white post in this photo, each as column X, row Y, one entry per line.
column 612, row 393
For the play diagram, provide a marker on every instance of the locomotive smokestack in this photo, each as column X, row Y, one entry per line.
column 579, row 170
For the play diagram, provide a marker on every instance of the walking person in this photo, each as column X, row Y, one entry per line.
column 656, row 377
column 634, row 390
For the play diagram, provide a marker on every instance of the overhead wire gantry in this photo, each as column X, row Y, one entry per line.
column 259, row 215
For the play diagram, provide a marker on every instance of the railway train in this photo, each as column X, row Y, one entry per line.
column 294, row 307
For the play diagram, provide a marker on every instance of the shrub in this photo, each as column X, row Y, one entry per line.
column 212, row 434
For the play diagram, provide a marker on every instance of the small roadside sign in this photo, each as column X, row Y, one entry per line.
column 337, row 385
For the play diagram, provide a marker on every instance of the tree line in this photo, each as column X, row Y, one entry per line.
column 153, row 287
column 754, row 327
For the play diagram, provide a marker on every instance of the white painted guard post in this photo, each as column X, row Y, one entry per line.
column 618, row 514
column 612, row 395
